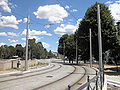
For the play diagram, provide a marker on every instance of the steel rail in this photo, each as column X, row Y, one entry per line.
column 56, row 80
column 32, row 75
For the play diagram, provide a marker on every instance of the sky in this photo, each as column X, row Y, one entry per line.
column 49, row 19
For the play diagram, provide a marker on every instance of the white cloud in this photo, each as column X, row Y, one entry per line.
column 2, row 44
column 57, row 42
column 54, row 13
column 14, row 44
column 12, row 41
column 8, row 34
column 78, row 21
column 47, row 25
column 114, row 7
column 4, row 4
column 68, row 29
column 25, row 20
column 11, row 34
column 35, row 32
column 23, row 44
column 24, row 39
column 117, row 1
column 3, row 34
column 67, row 7
column 62, row 25
column 109, row 2
column 31, row 37
column 45, row 45
column 74, row 10
column 9, row 21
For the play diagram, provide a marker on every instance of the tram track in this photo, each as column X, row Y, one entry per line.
column 71, row 76
column 62, row 79
column 38, row 88
column 76, row 83
column 15, row 74
column 33, row 74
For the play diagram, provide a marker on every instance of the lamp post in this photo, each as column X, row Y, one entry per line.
column 100, row 46
column 64, row 51
column 26, row 58
column 76, row 51
column 90, row 48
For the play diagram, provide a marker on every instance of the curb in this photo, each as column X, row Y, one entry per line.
column 23, row 72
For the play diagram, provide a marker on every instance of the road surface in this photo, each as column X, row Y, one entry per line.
column 55, row 77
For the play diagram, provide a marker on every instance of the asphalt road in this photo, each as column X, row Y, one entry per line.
column 55, row 77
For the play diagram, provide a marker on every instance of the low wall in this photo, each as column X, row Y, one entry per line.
column 12, row 63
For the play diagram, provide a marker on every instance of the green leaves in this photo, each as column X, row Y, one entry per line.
column 36, row 50
column 90, row 21
column 109, row 38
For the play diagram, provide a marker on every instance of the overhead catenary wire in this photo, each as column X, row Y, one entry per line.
column 67, row 10
column 32, row 20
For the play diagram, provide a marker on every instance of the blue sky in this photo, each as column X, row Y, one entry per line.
column 49, row 19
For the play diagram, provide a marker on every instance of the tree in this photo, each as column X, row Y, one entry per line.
column 19, row 50
column 70, row 50
column 109, row 39
column 50, row 54
column 11, row 52
column 67, row 46
column 37, row 50
column 62, row 42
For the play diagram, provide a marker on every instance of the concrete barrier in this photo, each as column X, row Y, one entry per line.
column 12, row 63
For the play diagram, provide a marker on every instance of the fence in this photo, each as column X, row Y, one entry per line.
column 96, row 83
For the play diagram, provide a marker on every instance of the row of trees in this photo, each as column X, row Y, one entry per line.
column 81, row 37
column 36, row 50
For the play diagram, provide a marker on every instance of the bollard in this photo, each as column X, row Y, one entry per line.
column 96, row 81
column 88, row 83
column 69, row 87
column 103, row 78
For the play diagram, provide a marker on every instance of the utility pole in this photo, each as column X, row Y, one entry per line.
column 76, row 52
column 100, row 46
column 27, row 29
column 64, row 51
column 90, row 48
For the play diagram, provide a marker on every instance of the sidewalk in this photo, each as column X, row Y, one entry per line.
column 114, row 80
column 5, row 74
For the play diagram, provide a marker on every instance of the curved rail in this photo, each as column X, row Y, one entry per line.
column 79, row 78
column 56, row 80
column 86, row 84
column 33, row 74
column 15, row 74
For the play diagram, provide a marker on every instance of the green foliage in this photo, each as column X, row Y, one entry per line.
column 36, row 50
column 50, row 54
column 109, row 39
column 19, row 50
column 62, row 42
column 67, row 46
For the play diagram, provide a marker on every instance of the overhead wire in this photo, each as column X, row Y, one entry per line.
column 67, row 10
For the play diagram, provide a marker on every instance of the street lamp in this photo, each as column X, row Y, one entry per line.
column 64, row 51
column 90, row 48
column 76, row 51
column 26, row 58
column 100, row 47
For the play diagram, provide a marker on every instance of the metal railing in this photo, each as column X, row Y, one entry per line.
column 93, row 84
